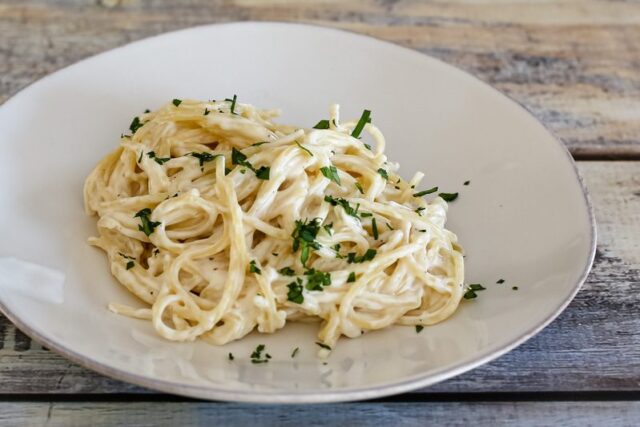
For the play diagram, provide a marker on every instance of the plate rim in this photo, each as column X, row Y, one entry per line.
column 328, row 396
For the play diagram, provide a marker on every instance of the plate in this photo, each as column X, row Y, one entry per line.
column 524, row 217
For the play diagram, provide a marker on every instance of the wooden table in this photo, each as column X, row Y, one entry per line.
column 574, row 64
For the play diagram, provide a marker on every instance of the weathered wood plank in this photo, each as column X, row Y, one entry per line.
column 357, row 414
column 593, row 346
column 574, row 64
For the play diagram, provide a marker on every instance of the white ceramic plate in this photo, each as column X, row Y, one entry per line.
column 525, row 216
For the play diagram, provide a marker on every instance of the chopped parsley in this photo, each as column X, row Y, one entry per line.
column 353, row 258
column 147, row 226
column 419, row 328
column 352, row 277
column 316, row 280
column 130, row 265
column 467, row 183
column 515, row 288
column 425, row 192
column 304, row 238
column 287, row 271
column 322, row 124
column 257, row 144
column 328, row 228
column 233, row 103
column 471, row 290
column 294, row 352
column 231, row 356
column 335, row 201
column 383, row 173
column 253, row 268
column 135, row 125
column 419, row 210
column 263, row 172
column 367, row 146
column 304, row 149
column 176, row 102
column 359, row 187
column 366, row 214
column 206, row 113
column 364, row 119
column 323, row 345
column 500, row 281
column 295, row 292
column 390, row 227
column 204, row 157
column 140, row 158
column 448, row 197
column 374, row 228
column 158, row 160
column 331, row 173
column 258, row 357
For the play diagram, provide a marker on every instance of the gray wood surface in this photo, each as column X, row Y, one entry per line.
column 579, row 414
column 575, row 64
column 593, row 346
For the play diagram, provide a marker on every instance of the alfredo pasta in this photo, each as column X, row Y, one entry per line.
column 221, row 221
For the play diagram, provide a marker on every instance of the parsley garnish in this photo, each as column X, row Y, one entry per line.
column 471, row 290
column 130, row 265
column 419, row 210
column 253, row 268
column 328, row 228
column 316, row 280
column 295, row 292
column 515, row 288
column 204, row 157
column 147, row 226
column 448, row 197
column 257, row 144
column 342, row 202
column 500, row 282
column 140, row 158
column 231, row 356
column 467, row 183
column 304, row 237
column 425, row 192
column 176, row 102
column 364, row 119
column 263, row 172
column 390, row 227
column 367, row 146
column 366, row 214
column 323, row 345
column 331, row 173
column 257, row 357
column 135, row 125
column 353, row 258
column 383, row 173
column 287, row 271
column 294, row 352
column 305, row 149
column 359, row 187
column 233, row 103
column 419, row 328
column 322, row 124
column 352, row 277
column 374, row 228
column 206, row 113
column 158, row 160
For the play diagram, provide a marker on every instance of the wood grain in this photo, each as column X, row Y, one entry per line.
column 574, row 64
column 593, row 346
column 356, row 414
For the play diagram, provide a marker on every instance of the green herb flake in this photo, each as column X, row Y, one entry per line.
column 295, row 352
column 367, row 146
column 515, row 288
column 323, row 345
column 353, row 258
column 359, row 187
column 263, row 173
column 130, row 265
column 177, row 102
column 295, row 292
column 419, row 328
column 448, row 197
column 467, row 183
column 322, row 124
column 419, row 210
column 316, row 280
column 231, row 356
column 287, row 271
column 470, row 294
column 147, row 226
column 500, row 281
column 383, row 173
column 204, row 157
column 304, row 236
column 328, row 228
column 333, row 201
column 135, row 125
column 257, row 356
column 352, row 277
column 366, row 214
column 390, row 227
column 374, row 228
column 364, row 119
column 331, row 173
column 206, row 113
column 257, row 144
column 158, row 160
column 477, row 287
column 425, row 192
column 233, row 103
column 140, row 158
column 253, row 268
column 304, row 149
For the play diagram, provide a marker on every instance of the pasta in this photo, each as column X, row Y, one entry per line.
column 222, row 221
